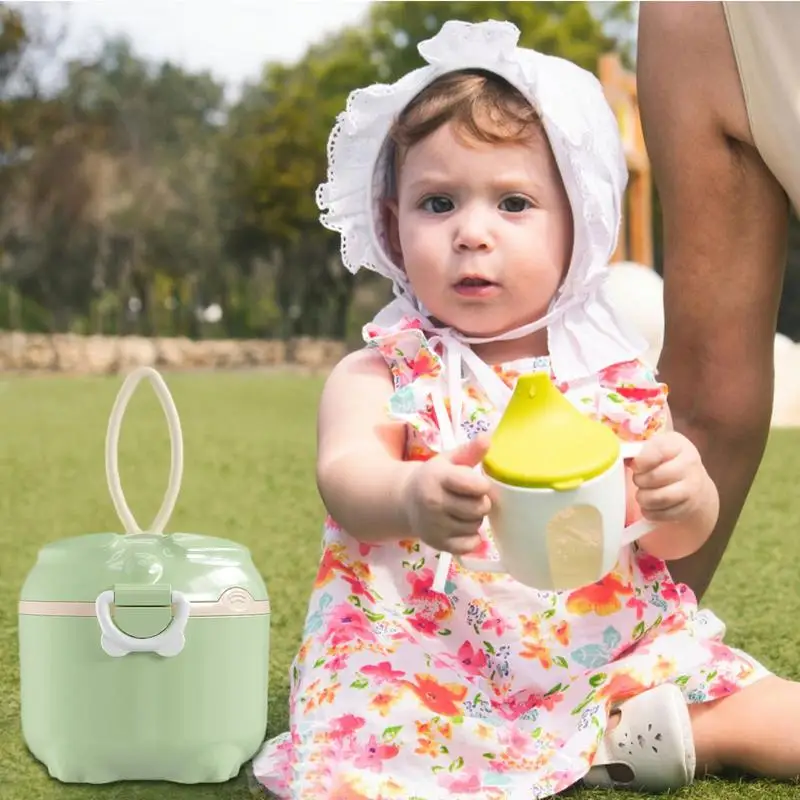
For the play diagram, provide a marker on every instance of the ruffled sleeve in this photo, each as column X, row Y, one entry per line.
column 631, row 400
column 406, row 351
column 415, row 366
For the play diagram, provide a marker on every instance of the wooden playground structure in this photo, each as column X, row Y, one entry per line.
column 636, row 233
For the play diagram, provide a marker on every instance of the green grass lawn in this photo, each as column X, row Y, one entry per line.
column 249, row 449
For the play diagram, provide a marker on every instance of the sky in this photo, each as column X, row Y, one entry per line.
column 232, row 38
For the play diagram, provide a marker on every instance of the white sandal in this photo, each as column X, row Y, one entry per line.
column 653, row 740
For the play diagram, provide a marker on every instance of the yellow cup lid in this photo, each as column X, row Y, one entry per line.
column 544, row 442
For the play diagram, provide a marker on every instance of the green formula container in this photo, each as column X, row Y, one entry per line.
column 144, row 656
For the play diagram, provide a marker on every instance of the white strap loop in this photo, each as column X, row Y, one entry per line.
column 456, row 356
column 451, row 433
column 176, row 445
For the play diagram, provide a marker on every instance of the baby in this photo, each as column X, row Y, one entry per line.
column 487, row 186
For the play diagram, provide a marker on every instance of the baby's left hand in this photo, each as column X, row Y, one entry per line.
column 672, row 483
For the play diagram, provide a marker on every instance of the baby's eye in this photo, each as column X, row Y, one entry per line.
column 516, row 204
column 437, row 205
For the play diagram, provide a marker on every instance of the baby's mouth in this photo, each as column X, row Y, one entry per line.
column 475, row 282
column 476, row 288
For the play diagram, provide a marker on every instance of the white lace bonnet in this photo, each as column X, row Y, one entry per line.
column 585, row 334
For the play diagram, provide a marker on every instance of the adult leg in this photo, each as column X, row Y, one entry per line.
column 725, row 234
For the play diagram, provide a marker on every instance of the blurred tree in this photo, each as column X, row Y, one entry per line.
column 567, row 29
column 13, row 37
column 276, row 149
column 123, row 190
column 27, row 118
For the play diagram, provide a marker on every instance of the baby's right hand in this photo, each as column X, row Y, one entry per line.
column 446, row 499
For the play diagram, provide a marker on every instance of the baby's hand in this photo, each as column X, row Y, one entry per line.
column 672, row 482
column 446, row 499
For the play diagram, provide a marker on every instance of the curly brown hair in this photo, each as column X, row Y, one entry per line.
column 483, row 106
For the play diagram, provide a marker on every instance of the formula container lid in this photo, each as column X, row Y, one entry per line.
column 202, row 568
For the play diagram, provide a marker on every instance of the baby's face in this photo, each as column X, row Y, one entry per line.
column 484, row 231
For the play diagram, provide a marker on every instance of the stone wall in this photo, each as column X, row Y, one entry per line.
column 96, row 355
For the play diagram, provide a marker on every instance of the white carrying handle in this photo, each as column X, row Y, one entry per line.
column 112, row 444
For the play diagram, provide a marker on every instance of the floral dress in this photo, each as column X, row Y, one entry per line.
column 490, row 690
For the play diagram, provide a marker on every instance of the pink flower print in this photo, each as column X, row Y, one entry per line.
column 382, row 673
column 484, row 548
column 722, row 687
column 425, row 363
column 624, row 372
column 373, row 755
column 430, row 603
column 652, row 396
column 421, row 583
column 650, row 566
column 515, row 741
column 468, row 782
column 496, row 625
column 562, row 386
column 472, row 661
column 721, row 653
column 410, row 323
column 341, row 748
column 562, row 780
column 346, row 623
column 365, row 548
column 345, row 726
column 424, row 625
column 550, row 701
column 336, row 663
column 639, row 604
column 359, row 588
column 670, row 592
column 517, row 704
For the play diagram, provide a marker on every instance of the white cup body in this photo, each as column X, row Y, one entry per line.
column 559, row 540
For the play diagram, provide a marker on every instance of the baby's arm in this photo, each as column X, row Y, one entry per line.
column 360, row 467
column 668, row 484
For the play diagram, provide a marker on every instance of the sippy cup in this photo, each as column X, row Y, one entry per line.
column 558, row 501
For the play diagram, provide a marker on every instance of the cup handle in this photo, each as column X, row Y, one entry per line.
column 639, row 528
